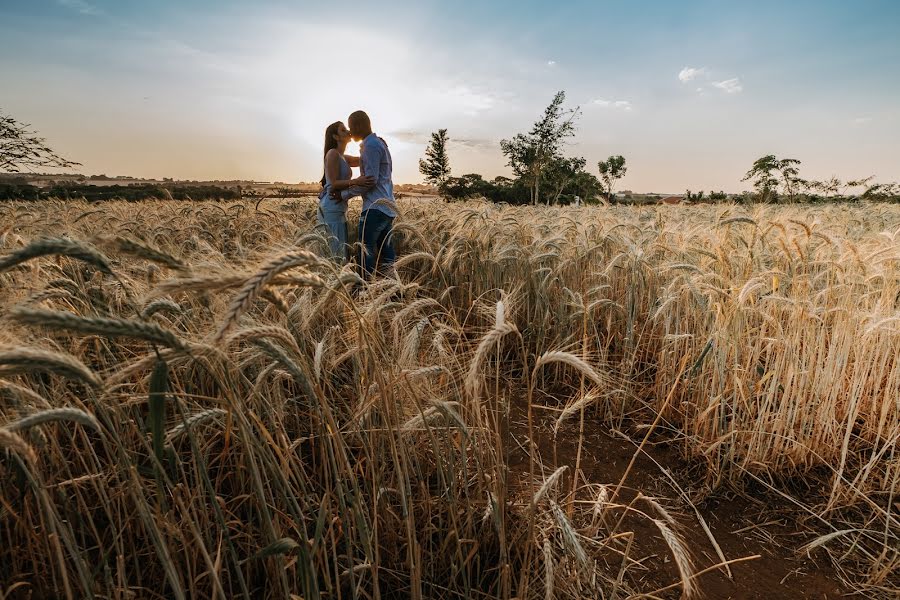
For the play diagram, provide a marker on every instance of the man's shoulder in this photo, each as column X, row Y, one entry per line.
column 374, row 140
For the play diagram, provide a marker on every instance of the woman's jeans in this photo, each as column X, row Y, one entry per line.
column 335, row 225
column 375, row 235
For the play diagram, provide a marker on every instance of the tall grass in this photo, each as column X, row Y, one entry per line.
column 204, row 408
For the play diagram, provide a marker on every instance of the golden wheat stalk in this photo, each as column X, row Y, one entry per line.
column 12, row 441
column 147, row 252
column 490, row 339
column 75, row 415
column 161, row 305
column 252, row 287
column 548, row 484
column 568, row 534
column 682, row 558
column 548, row 570
column 107, row 326
column 57, row 246
column 193, row 420
column 556, row 356
column 19, row 360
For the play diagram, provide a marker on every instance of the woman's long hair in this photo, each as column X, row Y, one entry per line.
column 330, row 142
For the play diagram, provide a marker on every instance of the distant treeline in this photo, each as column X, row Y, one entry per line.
column 133, row 192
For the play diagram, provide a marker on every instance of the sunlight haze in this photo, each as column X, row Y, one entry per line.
column 690, row 95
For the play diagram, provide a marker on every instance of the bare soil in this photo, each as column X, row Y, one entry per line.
column 744, row 525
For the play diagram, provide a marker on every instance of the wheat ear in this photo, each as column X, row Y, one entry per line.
column 253, row 286
column 51, row 246
column 108, row 326
column 74, row 415
column 19, row 360
column 682, row 558
column 12, row 441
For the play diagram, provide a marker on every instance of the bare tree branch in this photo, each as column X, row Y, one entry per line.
column 21, row 148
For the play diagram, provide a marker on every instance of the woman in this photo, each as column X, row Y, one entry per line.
column 332, row 214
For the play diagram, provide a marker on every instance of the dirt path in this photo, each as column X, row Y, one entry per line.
column 742, row 526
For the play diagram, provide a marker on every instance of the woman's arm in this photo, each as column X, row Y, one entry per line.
column 333, row 171
column 353, row 161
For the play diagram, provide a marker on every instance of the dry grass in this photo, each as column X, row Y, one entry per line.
column 305, row 437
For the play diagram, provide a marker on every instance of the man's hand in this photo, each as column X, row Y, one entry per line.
column 362, row 181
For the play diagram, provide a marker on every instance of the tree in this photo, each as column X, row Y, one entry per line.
column 611, row 169
column 767, row 170
column 586, row 186
column 436, row 165
column 529, row 154
column 21, row 148
column 834, row 188
column 560, row 172
column 882, row 191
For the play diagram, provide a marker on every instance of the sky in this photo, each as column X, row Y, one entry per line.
column 690, row 92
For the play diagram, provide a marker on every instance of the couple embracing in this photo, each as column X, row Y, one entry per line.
column 374, row 185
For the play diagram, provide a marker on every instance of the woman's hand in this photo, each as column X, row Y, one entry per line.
column 366, row 182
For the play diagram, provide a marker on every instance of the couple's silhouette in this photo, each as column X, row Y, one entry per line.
column 374, row 185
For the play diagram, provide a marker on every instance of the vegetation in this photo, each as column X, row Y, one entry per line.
column 529, row 155
column 611, row 170
column 769, row 172
column 472, row 185
column 436, row 164
column 193, row 402
column 21, row 148
column 132, row 192
column 540, row 169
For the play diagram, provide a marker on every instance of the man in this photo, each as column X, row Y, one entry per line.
column 377, row 217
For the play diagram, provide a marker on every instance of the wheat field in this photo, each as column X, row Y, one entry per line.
column 195, row 404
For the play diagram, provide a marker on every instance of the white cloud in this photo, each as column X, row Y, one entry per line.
column 730, row 86
column 81, row 6
column 625, row 105
column 691, row 73
column 862, row 120
column 551, row 63
column 470, row 101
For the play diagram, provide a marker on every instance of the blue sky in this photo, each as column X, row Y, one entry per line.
column 689, row 92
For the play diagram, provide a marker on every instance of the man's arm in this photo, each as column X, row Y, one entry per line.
column 369, row 165
column 370, row 160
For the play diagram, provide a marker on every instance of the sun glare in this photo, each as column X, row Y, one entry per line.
column 352, row 148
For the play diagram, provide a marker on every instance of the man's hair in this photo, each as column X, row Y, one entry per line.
column 359, row 120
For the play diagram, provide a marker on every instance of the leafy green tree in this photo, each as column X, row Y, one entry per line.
column 835, row 188
column 560, row 173
column 21, row 148
column 882, row 191
column 698, row 197
column 586, row 186
column 530, row 154
column 764, row 178
column 769, row 172
column 611, row 170
column 472, row 185
column 436, row 164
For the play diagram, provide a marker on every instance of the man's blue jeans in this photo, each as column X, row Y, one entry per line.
column 375, row 234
